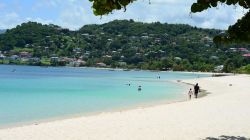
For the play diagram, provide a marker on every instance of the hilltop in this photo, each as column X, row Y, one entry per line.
column 122, row 43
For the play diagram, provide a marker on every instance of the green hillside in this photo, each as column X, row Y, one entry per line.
column 122, row 43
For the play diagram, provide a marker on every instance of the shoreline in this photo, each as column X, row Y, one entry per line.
column 183, row 98
column 120, row 69
column 92, row 114
column 225, row 110
column 180, row 98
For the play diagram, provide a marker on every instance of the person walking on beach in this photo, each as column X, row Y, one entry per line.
column 196, row 90
column 190, row 93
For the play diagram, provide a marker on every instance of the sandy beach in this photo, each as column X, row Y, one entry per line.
column 224, row 111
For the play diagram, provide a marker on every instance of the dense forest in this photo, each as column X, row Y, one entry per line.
column 123, row 44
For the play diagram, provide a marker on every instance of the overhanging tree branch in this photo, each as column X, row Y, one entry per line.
column 237, row 33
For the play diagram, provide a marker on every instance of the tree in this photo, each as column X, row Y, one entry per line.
column 228, row 66
column 102, row 7
column 239, row 32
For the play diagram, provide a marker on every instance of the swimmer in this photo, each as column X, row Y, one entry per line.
column 139, row 88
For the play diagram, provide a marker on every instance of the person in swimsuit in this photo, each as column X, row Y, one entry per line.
column 190, row 93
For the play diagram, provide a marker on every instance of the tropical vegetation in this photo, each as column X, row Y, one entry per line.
column 122, row 44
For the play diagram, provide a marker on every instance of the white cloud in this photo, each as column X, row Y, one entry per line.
column 2, row 5
column 44, row 4
column 9, row 20
column 74, row 14
column 220, row 17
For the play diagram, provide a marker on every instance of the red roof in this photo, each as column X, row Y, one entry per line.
column 246, row 55
column 242, row 48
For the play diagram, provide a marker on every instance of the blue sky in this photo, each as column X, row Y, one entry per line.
column 73, row 14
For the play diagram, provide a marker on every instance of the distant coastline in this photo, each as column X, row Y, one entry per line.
column 127, row 69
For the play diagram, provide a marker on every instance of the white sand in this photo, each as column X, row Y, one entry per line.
column 224, row 112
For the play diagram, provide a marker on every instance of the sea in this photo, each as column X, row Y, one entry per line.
column 31, row 94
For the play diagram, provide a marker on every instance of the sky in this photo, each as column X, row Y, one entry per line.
column 73, row 14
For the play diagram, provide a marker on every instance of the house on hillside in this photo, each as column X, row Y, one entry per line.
column 85, row 34
column 2, row 57
column 177, row 59
column 66, row 59
column 218, row 68
column 54, row 59
column 246, row 55
column 14, row 58
column 24, row 54
column 145, row 37
column 107, row 56
column 77, row 63
column 122, row 63
column 161, row 51
column 207, row 39
column 34, row 60
column 101, row 64
column 122, row 57
column 243, row 50
column 233, row 49
column 214, row 57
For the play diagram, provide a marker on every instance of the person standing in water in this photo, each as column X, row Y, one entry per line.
column 139, row 88
column 190, row 93
column 196, row 90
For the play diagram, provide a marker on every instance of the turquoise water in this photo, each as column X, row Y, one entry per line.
column 30, row 94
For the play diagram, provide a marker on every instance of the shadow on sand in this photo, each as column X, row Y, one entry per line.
column 227, row 138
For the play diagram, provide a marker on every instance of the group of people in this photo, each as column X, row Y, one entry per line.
column 139, row 87
column 196, row 91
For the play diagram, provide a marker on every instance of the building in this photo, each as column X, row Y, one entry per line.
column 78, row 63
column 246, row 55
column 14, row 58
column 101, row 64
column 218, row 68
column 24, row 54
column 122, row 63
column 54, row 59
column 2, row 57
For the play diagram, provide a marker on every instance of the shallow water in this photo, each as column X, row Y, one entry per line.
column 29, row 94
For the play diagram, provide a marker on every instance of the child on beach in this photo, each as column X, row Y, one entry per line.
column 190, row 93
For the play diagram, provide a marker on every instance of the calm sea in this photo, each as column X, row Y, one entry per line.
column 30, row 94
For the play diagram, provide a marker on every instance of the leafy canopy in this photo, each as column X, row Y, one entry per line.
column 102, row 7
column 239, row 32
